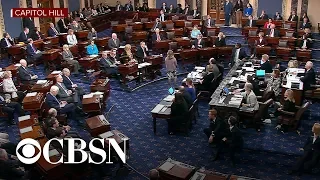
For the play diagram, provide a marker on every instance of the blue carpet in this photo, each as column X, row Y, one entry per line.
column 267, row 155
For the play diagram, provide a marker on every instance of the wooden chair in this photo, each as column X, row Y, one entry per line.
column 283, row 50
column 211, row 33
column 143, row 20
column 292, row 119
column 169, row 26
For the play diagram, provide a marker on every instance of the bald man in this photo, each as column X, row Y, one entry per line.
column 52, row 31
column 309, row 77
column 114, row 42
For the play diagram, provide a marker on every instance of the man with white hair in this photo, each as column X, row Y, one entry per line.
column 69, row 83
column 114, row 42
column 309, row 77
column 107, row 65
column 26, row 76
column 265, row 64
column 66, row 94
column 156, row 37
column 273, row 32
column 61, row 106
column 52, row 31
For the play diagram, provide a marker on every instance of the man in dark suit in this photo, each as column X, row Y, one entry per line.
column 11, row 167
column 206, row 82
column 119, row 6
column 179, row 10
column 114, row 42
column 311, row 155
column 37, row 34
column 164, row 8
column 65, row 94
column 28, row 23
column 186, row 9
column 217, row 129
column 233, row 141
column 263, row 15
column 13, row 109
column 6, row 41
column 61, row 106
column 238, row 53
column 265, row 64
column 52, row 31
column 195, row 13
column 273, row 32
column 33, row 54
column 128, row 6
column 24, row 35
column 305, row 24
column 187, row 97
column 306, row 41
column 209, row 22
column 26, row 76
column 157, row 36
column 142, row 52
column 277, row 17
column 251, row 22
column 69, row 83
column 199, row 42
column 62, row 26
column 293, row 17
column 309, row 77
column 157, row 24
column 162, row 16
column 107, row 66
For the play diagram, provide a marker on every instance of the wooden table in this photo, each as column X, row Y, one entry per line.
column 161, row 115
column 126, row 69
column 33, row 120
column 43, row 88
column 179, row 171
column 92, row 104
column 33, row 103
column 119, row 137
column 101, row 85
column 36, row 133
column 97, row 125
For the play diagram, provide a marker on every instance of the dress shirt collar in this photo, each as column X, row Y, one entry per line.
column 231, row 127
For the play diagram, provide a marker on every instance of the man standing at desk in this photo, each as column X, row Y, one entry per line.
column 238, row 54
column 25, row 75
column 310, row 76
column 217, row 128
column 265, row 64
column 114, row 42
column 227, row 12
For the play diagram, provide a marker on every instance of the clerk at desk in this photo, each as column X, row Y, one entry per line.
column 310, row 76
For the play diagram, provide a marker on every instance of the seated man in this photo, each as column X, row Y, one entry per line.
column 55, row 130
column 61, row 106
column 157, row 24
column 107, row 65
column 209, row 22
column 6, row 41
column 24, row 36
column 33, row 55
column 199, row 42
column 26, row 76
column 13, row 109
column 251, row 22
column 142, row 52
column 305, row 24
column 156, row 37
column 52, row 31
column 187, row 97
column 205, row 83
column 65, row 94
column 75, row 26
column 70, row 84
column 265, row 64
column 238, row 54
column 114, row 42
column 273, row 32
column 217, row 128
column 195, row 13
column 10, row 166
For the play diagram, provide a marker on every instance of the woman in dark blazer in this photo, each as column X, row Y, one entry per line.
column 261, row 42
column 220, row 41
column 179, row 112
column 288, row 105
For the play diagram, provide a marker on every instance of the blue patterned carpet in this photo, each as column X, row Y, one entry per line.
column 267, row 155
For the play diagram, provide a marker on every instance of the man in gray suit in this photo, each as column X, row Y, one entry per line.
column 66, row 95
column 209, row 22
column 114, row 42
column 75, row 26
column 249, row 97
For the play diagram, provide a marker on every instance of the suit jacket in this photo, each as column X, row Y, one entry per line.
column 154, row 37
column 36, row 34
column 23, row 37
column 310, row 146
column 238, row 6
column 277, row 17
column 206, row 83
column 112, row 44
column 242, row 54
column 105, row 63
column 61, row 27
column 251, row 99
column 144, row 9
column 173, row 10
column 187, row 98
column 165, row 17
column 165, row 9
column 91, row 35
column 62, row 91
column 228, row 8
column 179, row 10
column 128, row 7
column 198, row 14
column 263, row 42
column 25, row 74
column 307, row 25
column 51, row 32
column 253, row 23
column 4, row 43
column 212, row 23
column 235, row 139
column 27, row 22
column 265, row 16
column 67, row 55
column 275, row 34
column 119, row 7
column 308, row 79
column 76, row 28
column 267, row 67
column 308, row 43
column 31, row 50
column 52, row 101
column 219, row 128
column 295, row 18
column 140, row 54
column 186, row 11
column 220, row 43
column 196, row 43
column 67, row 82
column 157, row 25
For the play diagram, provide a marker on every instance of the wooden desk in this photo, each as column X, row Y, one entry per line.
column 51, row 55
column 88, row 62
column 273, row 41
column 303, row 55
column 189, row 56
column 119, row 137
column 13, row 68
column 155, row 60
column 207, row 52
column 36, row 133
column 97, row 125
column 53, row 40
column 148, row 25
column 101, row 85
column 179, row 171
column 263, row 50
column 33, row 120
column 120, row 28
column 102, row 43
column 42, row 88
column 52, row 77
column 284, row 52
column 179, row 23
column 82, row 47
column 162, row 46
column 126, row 70
column 209, row 175
column 82, row 35
column 183, row 42
column 215, row 29
column 161, row 115
column 33, row 103
column 17, row 52
column 139, row 36
column 63, row 38
column 91, row 105
column 39, row 44
column 225, row 51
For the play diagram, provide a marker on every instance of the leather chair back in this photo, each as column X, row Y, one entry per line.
column 143, row 20
column 169, row 26
column 263, row 109
column 188, row 24
column 211, row 33
column 173, row 18
column 170, row 35
column 301, row 110
column 252, row 33
column 173, row 46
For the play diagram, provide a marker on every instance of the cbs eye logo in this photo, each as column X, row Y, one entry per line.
column 28, row 151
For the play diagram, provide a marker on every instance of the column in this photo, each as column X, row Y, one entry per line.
column 182, row 2
column 193, row 4
column 56, row 4
column 66, row 3
column 36, row 19
column 299, row 7
column 22, row 3
column 204, row 8
column 82, row 4
column 152, row 3
column 3, row 28
column 286, row 8
column 255, row 4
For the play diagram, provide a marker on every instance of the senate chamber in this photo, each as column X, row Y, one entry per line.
column 184, row 89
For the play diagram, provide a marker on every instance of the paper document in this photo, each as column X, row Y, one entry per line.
column 199, row 67
column 93, row 55
column 31, row 94
column 53, row 152
column 121, row 47
column 88, row 95
column 17, row 65
column 56, row 72
column 198, row 176
column 25, row 130
column 248, row 68
column 42, row 81
column 22, row 118
column 157, row 108
column 106, row 134
column 166, row 166
column 169, row 98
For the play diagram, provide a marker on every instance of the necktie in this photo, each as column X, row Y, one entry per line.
column 250, row 23
column 34, row 49
column 1, row 98
column 186, row 11
column 8, row 42
column 209, row 23
column 271, row 32
column 199, row 41
column 56, row 99
column 109, row 63
column 55, row 31
column 70, row 80
column 115, row 42
column 158, row 37
column 38, row 35
column 144, row 52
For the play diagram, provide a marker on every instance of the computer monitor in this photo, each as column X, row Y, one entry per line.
column 260, row 73
column 226, row 90
column 171, row 90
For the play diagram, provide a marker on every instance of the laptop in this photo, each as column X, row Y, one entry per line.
column 171, row 90
column 260, row 73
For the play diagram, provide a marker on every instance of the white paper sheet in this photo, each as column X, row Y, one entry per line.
column 198, row 176
column 42, row 81
column 157, row 108
column 17, row 65
column 23, row 118
column 169, row 98
column 53, row 152
column 166, row 166
column 106, row 135
column 25, row 130
column 31, row 94
column 88, row 95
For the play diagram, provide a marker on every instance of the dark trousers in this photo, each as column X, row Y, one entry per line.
column 229, row 148
column 227, row 19
column 68, row 109
column 11, row 109
column 207, row 131
column 307, row 161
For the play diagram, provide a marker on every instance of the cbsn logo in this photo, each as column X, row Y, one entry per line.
column 28, row 150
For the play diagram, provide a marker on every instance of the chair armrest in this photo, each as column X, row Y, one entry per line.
column 287, row 113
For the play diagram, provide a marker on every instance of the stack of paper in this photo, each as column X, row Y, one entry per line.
column 22, row 118
column 106, row 135
column 53, row 152
column 42, row 81
column 31, row 94
column 157, row 109
column 17, row 65
column 88, row 96
column 56, row 72
column 166, row 166
column 142, row 65
column 199, row 68
column 169, row 98
column 93, row 55
column 25, row 130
